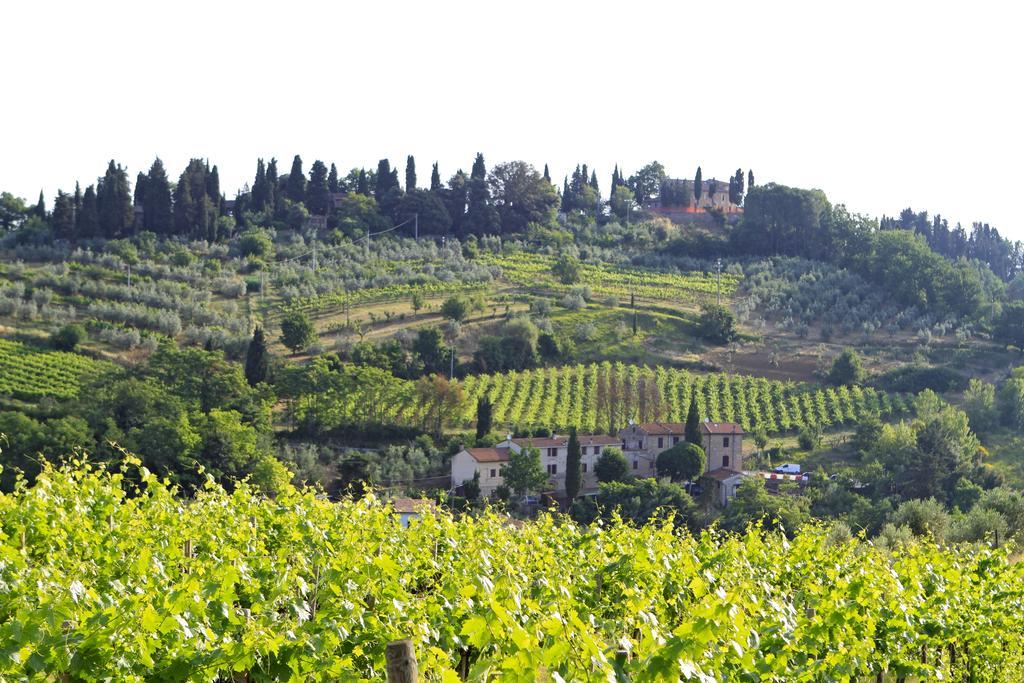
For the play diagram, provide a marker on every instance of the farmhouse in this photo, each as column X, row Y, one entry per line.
column 722, row 442
column 554, row 453
column 409, row 509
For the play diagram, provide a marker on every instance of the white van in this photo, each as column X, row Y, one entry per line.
column 788, row 468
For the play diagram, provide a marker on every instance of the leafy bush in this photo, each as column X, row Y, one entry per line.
column 68, row 337
column 913, row 379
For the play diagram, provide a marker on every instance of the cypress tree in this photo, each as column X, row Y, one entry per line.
column 63, row 217
column 479, row 216
column 363, row 185
column 692, row 431
column 593, row 183
column 88, row 223
column 573, row 469
column 213, row 189
column 484, row 417
column 383, row 180
column 296, row 188
column 157, row 208
column 40, row 207
column 435, row 179
column 547, row 176
column 114, row 202
column 77, row 203
column 332, row 180
column 139, row 195
column 750, row 179
column 698, row 187
column 739, row 183
column 410, row 173
column 256, row 358
column 273, row 191
column 318, row 193
column 259, row 187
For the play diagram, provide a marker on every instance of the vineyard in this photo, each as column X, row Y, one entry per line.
column 605, row 396
column 604, row 280
column 29, row 373
column 102, row 581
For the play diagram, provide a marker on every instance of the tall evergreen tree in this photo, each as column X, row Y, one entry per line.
column 195, row 212
column 213, row 189
column 114, row 201
column 332, row 180
column 363, row 184
column 383, row 183
column 40, row 208
column 410, row 173
column 455, row 199
column 63, row 217
column 256, row 358
column 547, row 175
column 484, row 417
column 76, row 203
column 273, row 191
column 750, row 180
column 698, row 187
column 259, row 187
column 296, row 188
column 739, row 183
column 139, row 194
column 480, row 215
column 318, row 192
column 157, row 207
column 435, row 179
column 692, row 430
column 88, row 223
column 573, row 467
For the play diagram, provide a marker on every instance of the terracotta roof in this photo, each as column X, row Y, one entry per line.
column 721, row 428
column 412, row 505
column 722, row 473
column 661, row 427
column 489, row 454
column 563, row 441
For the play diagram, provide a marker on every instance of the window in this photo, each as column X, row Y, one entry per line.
column 725, row 461
column 725, row 442
column 552, row 452
column 636, row 465
column 583, row 466
column 675, row 440
column 597, row 450
column 661, row 443
column 650, row 464
column 583, row 450
column 641, row 444
column 494, row 473
column 552, row 469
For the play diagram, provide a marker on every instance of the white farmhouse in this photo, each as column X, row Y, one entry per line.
column 554, row 453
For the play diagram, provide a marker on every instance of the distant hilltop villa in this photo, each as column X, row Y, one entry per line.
column 677, row 198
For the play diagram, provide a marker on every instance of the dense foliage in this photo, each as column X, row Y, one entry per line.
column 103, row 580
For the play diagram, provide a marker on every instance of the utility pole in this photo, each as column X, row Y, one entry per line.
column 129, row 276
column 417, row 224
column 263, row 285
column 315, row 265
column 718, row 268
column 451, row 372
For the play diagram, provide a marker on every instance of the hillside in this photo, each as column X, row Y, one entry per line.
column 803, row 427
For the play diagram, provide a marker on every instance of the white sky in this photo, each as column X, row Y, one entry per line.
column 880, row 104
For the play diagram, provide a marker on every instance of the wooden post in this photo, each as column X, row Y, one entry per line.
column 401, row 662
